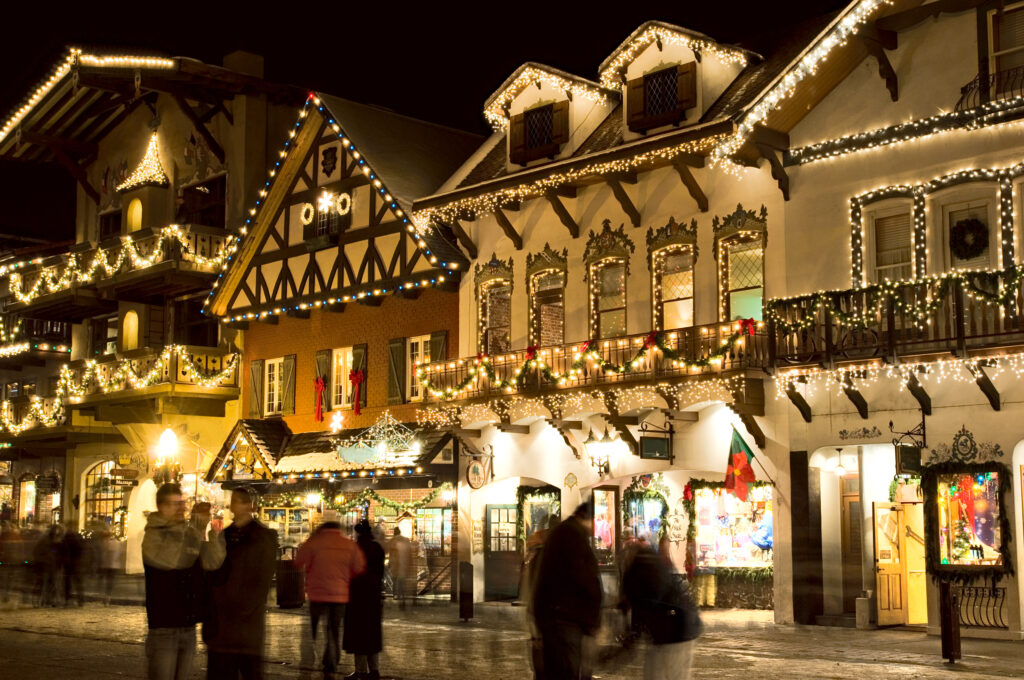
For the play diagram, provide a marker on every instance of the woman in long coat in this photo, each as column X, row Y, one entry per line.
column 363, row 636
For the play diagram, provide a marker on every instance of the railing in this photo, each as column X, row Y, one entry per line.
column 692, row 345
column 936, row 316
column 985, row 88
column 982, row 606
column 178, row 365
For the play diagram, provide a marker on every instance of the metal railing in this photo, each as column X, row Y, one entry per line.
column 991, row 87
column 982, row 606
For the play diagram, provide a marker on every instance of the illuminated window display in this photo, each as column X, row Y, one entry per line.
column 647, row 518
column 969, row 532
column 605, row 524
column 731, row 532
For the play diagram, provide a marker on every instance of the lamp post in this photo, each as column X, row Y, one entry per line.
column 597, row 449
column 166, row 456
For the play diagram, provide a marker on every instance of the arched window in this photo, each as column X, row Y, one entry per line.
column 134, row 215
column 27, row 501
column 106, row 496
column 494, row 305
column 130, row 331
column 608, row 297
column 673, row 287
column 545, row 283
column 739, row 245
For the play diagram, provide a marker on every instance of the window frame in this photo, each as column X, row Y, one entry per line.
column 968, row 200
column 993, row 54
column 595, row 295
column 414, row 391
column 657, row 285
column 726, row 246
column 341, row 379
column 882, row 210
column 535, row 316
column 484, row 313
column 278, row 364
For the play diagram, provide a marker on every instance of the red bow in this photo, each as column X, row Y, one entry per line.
column 688, row 492
column 652, row 337
column 320, row 385
column 355, row 376
column 480, row 356
column 738, row 475
column 587, row 346
column 531, row 352
column 748, row 326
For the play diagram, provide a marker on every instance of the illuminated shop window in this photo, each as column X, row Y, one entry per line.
column 731, row 532
column 969, row 521
column 606, row 527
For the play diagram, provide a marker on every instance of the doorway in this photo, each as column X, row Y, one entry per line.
column 900, row 581
column 501, row 552
column 849, row 495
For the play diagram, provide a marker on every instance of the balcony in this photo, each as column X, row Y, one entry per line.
column 144, row 266
column 985, row 88
column 695, row 352
column 30, row 342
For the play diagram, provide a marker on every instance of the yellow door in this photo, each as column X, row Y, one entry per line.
column 890, row 567
column 917, row 581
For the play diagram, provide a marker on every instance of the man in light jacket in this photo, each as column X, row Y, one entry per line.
column 330, row 560
column 174, row 554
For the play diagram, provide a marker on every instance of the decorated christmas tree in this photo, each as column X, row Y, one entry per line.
column 961, row 540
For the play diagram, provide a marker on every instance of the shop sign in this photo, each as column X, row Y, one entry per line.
column 478, row 536
column 242, row 475
column 656, row 448
column 129, row 473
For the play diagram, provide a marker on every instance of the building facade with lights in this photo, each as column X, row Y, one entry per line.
column 106, row 348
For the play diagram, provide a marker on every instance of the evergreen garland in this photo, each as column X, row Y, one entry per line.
column 533, row 493
column 656, row 490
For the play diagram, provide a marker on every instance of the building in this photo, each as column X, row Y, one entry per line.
column 340, row 296
column 105, row 348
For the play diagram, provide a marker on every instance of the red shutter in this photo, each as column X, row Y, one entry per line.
column 560, row 123
column 635, row 104
column 686, row 85
column 517, row 139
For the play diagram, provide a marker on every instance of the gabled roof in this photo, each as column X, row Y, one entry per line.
column 496, row 106
column 266, row 436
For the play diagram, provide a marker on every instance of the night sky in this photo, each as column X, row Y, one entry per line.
column 436, row 61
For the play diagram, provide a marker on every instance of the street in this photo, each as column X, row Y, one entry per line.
column 428, row 642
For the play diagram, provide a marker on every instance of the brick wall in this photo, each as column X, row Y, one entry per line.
column 397, row 317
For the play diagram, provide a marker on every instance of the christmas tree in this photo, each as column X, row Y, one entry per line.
column 961, row 540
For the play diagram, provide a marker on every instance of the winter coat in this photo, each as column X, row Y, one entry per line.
column 174, row 556
column 659, row 602
column 364, row 612
column 236, row 622
column 330, row 560
column 568, row 585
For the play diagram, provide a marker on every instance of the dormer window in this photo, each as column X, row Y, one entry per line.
column 538, row 132
column 661, row 97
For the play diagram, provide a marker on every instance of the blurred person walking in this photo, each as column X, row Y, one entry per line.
column 72, row 558
column 235, row 627
column 363, row 618
column 110, row 561
column 45, row 564
column 533, row 550
column 400, row 564
column 10, row 559
column 174, row 555
column 331, row 560
column 567, row 598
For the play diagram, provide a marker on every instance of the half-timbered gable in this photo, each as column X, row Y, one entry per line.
column 334, row 226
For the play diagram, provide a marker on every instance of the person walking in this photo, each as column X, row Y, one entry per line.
column 661, row 606
column 330, row 560
column 400, row 564
column 45, row 563
column 72, row 551
column 110, row 561
column 567, row 598
column 174, row 555
column 533, row 550
column 235, row 627
column 364, row 636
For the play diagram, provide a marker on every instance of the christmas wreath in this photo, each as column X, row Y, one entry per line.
column 968, row 238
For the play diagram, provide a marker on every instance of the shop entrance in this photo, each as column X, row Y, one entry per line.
column 899, row 563
column 501, row 552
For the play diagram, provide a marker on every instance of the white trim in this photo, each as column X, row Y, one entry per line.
column 274, row 366
column 421, row 343
column 341, row 356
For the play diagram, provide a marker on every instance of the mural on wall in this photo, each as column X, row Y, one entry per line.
column 199, row 160
column 965, row 449
column 861, row 433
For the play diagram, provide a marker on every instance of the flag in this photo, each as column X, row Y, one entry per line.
column 739, row 473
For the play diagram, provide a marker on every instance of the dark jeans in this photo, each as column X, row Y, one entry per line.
column 563, row 651
column 169, row 653
column 223, row 666
column 335, row 612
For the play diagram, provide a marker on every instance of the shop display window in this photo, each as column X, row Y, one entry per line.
column 969, row 531
column 291, row 524
column 646, row 518
column 434, row 530
column 731, row 532
column 605, row 525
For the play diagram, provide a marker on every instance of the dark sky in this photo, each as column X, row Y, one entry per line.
column 437, row 61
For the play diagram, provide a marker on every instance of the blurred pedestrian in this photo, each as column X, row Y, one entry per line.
column 400, row 564
column 174, row 554
column 46, row 563
column 110, row 561
column 235, row 628
column 72, row 557
column 10, row 550
column 331, row 560
column 661, row 606
column 532, row 553
column 567, row 598
column 363, row 618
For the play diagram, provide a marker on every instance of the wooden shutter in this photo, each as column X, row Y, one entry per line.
column 560, row 122
column 517, row 139
column 256, row 388
column 686, row 85
column 439, row 346
column 288, row 385
column 635, row 105
column 396, row 370
column 155, row 327
column 359, row 361
column 323, row 370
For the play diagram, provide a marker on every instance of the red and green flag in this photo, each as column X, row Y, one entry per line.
column 739, row 473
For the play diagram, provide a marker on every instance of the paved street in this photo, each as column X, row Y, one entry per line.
column 428, row 642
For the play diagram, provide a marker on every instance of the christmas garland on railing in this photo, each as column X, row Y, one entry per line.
column 367, row 495
column 588, row 351
column 977, row 284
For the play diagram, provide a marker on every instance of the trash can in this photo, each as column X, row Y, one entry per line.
column 291, row 581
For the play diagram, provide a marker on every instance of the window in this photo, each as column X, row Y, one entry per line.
column 273, row 389
column 660, row 92
column 962, row 220
column 204, row 203
column 744, row 279
column 538, row 132
column 417, row 352
column 610, row 298
column 134, row 216
column 968, row 507
column 674, row 288
column 548, row 308
column 731, row 532
column 539, row 126
column 27, row 502
column 496, row 317
column 606, row 524
column 106, row 493
column 661, row 97
column 192, row 327
column 1006, row 44
column 12, row 390
column 893, row 248
column 104, row 335
column 130, row 328
column 110, row 225
column 341, row 386
column 434, row 530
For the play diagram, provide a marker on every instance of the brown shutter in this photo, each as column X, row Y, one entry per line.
column 560, row 122
column 288, row 385
column 155, row 327
column 635, row 104
column 323, row 370
column 517, row 139
column 396, row 370
column 686, row 85
column 256, row 388
column 360, row 361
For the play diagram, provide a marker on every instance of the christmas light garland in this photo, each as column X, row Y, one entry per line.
column 149, row 171
column 496, row 107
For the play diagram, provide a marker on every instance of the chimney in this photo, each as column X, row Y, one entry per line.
column 245, row 62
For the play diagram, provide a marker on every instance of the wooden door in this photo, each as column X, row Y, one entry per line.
column 917, row 579
column 890, row 564
column 502, row 556
column 852, row 541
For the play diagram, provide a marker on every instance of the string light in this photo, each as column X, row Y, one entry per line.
column 497, row 105
column 149, row 173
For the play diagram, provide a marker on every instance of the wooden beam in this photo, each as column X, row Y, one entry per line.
column 621, row 426
column 623, row 198
column 563, row 214
column 690, row 182
column 507, row 227
column 985, row 383
column 513, row 429
column 239, row 325
column 562, row 427
column 681, row 416
column 771, row 137
column 855, row 397
column 69, row 145
column 690, row 159
column 911, row 17
column 269, row 319
column 917, row 389
column 298, row 313
column 799, row 401
column 335, row 307
column 567, row 424
column 778, row 172
column 750, row 422
column 461, row 432
column 464, row 240
column 371, row 300
column 77, row 172
column 877, row 42
column 410, row 293
column 204, row 132
column 565, row 191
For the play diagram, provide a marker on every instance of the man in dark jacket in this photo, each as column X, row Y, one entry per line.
column 236, row 627
column 174, row 554
column 567, row 597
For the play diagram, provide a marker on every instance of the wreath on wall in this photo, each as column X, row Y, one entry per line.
column 968, row 238
column 647, row 487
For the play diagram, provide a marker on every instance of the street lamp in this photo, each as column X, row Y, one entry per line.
column 598, row 451
column 167, row 447
column 840, row 470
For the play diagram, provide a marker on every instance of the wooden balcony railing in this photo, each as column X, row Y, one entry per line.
column 728, row 346
column 953, row 314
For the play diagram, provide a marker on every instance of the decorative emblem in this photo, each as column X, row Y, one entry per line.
column 861, row 433
column 570, row 481
column 329, row 160
column 307, row 213
column 608, row 243
column 493, row 270
column 739, row 222
column 547, row 259
column 966, row 450
column 672, row 234
column 476, row 474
